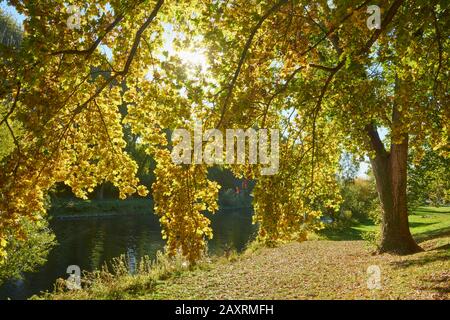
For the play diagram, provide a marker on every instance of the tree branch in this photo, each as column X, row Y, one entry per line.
column 279, row 91
column 97, row 42
column 375, row 141
column 16, row 143
column 125, row 70
column 247, row 45
column 387, row 19
column 373, row 134
column 13, row 107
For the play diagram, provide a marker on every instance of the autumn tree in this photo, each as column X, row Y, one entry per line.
column 29, row 252
column 70, row 122
column 428, row 179
column 350, row 78
column 314, row 70
column 10, row 32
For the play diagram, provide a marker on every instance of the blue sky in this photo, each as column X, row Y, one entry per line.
column 12, row 12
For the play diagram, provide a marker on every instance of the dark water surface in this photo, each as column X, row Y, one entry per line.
column 89, row 242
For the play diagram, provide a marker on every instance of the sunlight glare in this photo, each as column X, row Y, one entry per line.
column 196, row 58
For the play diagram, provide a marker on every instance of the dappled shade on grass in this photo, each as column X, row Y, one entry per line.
column 425, row 223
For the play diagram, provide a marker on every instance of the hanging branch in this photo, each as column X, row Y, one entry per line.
column 388, row 18
column 14, row 105
column 123, row 72
column 247, row 45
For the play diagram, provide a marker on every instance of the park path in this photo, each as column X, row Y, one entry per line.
column 317, row 270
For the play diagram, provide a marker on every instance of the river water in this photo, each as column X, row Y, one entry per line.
column 89, row 242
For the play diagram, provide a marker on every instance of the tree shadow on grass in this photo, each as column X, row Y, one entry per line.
column 421, row 224
column 420, row 210
column 342, row 234
column 440, row 254
column 434, row 251
column 443, row 247
column 353, row 231
column 436, row 282
column 439, row 283
column 432, row 234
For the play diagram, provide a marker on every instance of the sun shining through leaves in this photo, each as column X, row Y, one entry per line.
column 195, row 58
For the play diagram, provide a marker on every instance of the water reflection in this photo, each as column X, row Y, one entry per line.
column 90, row 242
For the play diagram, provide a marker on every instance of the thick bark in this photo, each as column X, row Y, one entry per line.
column 390, row 170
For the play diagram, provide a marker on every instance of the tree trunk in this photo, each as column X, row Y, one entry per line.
column 390, row 170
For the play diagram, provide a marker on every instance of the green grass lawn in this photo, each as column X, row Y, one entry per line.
column 425, row 222
column 325, row 269
column 315, row 269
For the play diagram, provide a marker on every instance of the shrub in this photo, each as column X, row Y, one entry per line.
column 372, row 239
column 120, row 281
column 359, row 198
column 347, row 214
column 25, row 255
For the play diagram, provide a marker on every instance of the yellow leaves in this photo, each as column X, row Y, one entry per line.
column 3, row 255
column 181, row 194
column 286, row 205
column 129, row 190
column 130, row 95
column 122, row 196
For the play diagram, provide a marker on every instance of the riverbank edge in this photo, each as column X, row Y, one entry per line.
column 70, row 209
column 313, row 269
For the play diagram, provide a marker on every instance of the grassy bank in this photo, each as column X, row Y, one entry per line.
column 425, row 223
column 75, row 207
column 66, row 208
column 316, row 269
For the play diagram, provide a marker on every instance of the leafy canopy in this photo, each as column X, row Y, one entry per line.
column 316, row 73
